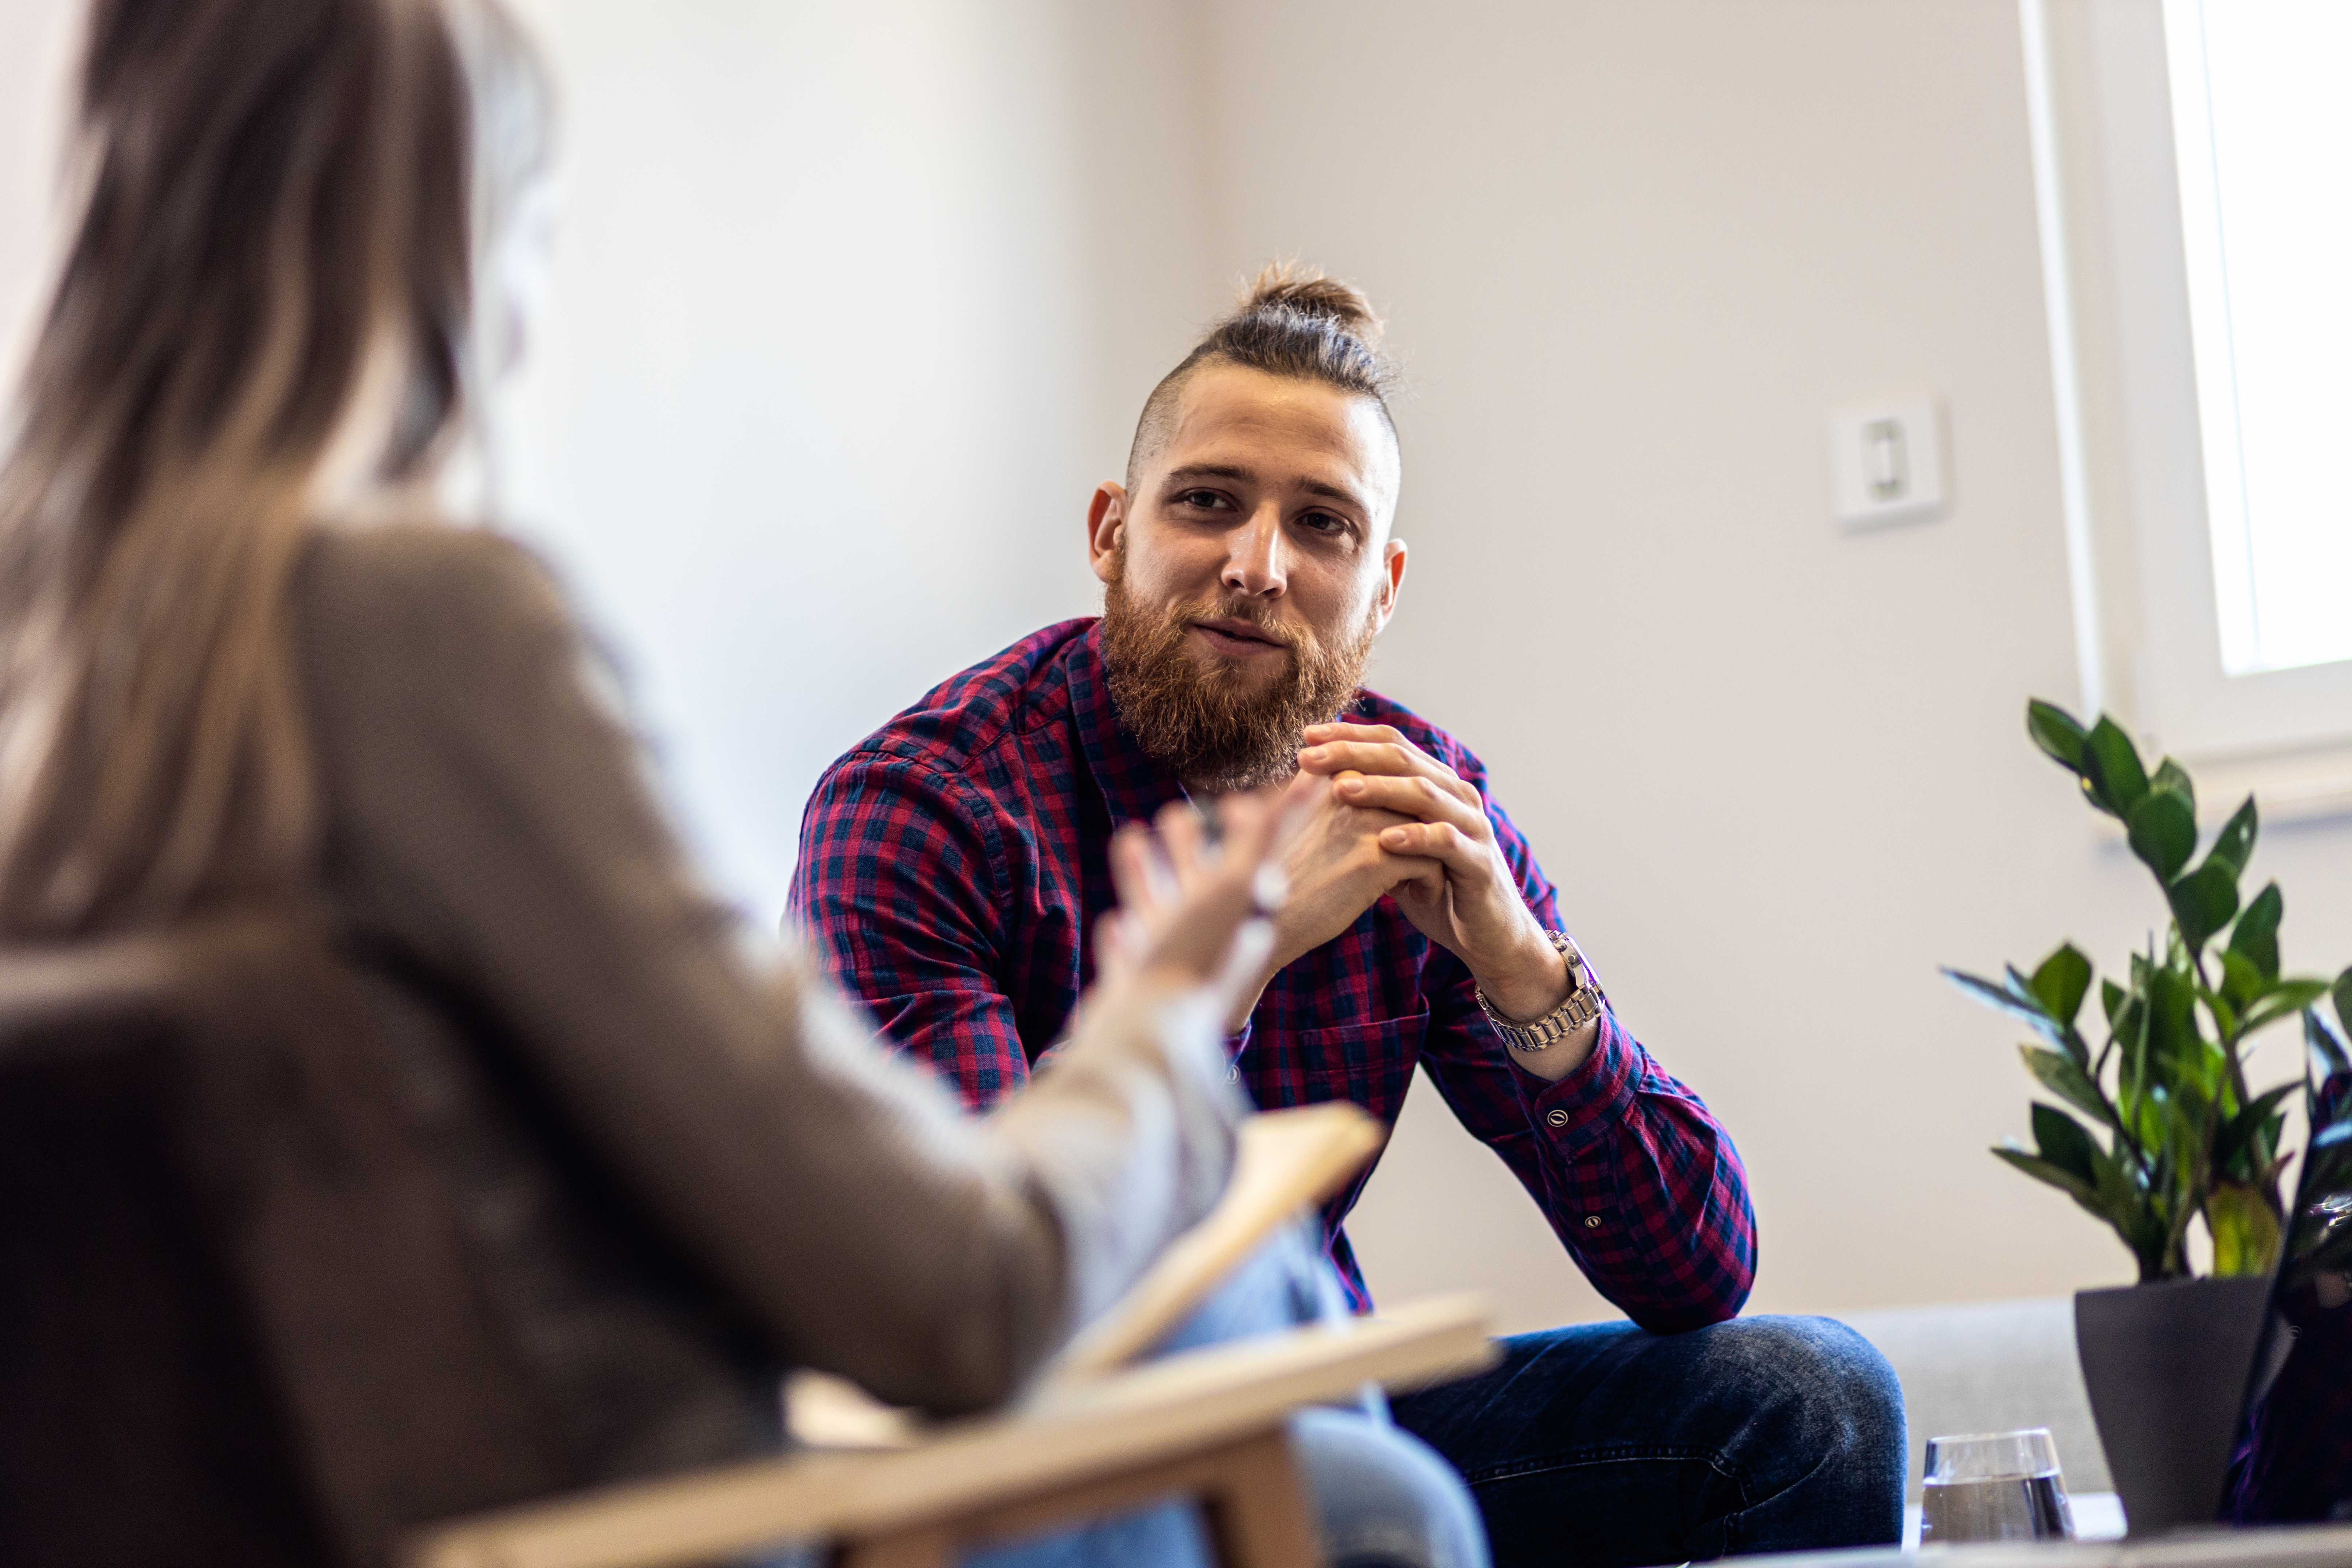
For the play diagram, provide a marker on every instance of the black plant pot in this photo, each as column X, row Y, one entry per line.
column 2166, row 1366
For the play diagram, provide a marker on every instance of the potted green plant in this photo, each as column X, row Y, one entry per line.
column 2157, row 1129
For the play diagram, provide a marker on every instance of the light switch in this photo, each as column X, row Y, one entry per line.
column 1887, row 463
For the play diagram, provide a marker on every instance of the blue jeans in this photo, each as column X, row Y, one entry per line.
column 1603, row 1445
column 1382, row 1499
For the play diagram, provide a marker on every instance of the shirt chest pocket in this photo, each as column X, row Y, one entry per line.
column 1370, row 1063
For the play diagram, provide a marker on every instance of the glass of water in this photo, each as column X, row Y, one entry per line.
column 1994, row 1485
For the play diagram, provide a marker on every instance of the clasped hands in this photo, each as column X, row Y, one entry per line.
column 1379, row 814
column 1368, row 813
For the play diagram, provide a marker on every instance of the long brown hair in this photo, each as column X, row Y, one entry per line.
column 276, row 191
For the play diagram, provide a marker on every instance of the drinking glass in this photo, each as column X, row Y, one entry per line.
column 1994, row 1485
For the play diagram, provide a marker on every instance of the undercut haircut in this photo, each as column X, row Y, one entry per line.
column 1294, row 323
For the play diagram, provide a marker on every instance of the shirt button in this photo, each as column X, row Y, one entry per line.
column 1592, row 1222
column 1557, row 1117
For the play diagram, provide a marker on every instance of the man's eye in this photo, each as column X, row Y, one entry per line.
column 1207, row 500
column 1324, row 522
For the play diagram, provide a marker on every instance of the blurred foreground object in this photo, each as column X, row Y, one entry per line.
column 243, row 1322
column 1288, row 1161
column 1207, row 1424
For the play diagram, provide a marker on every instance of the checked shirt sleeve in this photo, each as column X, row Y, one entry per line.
column 897, row 888
column 1638, row 1179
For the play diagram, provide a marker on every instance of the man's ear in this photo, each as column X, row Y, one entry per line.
column 1106, row 527
column 1391, row 579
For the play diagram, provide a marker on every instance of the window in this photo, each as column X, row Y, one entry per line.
column 2262, row 143
column 2194, row 159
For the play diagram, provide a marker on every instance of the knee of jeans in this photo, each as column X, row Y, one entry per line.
column 1868, row 1385
column 1843, row 1385
column 1382, row 1496
column 1278, row 1285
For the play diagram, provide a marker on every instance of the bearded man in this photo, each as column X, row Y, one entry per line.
column 953, row 865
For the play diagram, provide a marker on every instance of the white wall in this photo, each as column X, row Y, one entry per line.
column 36, row 42
column 812, row 400
column 1636, row 253
column 854, row 303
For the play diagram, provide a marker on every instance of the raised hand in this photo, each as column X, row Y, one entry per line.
column 1194, row 910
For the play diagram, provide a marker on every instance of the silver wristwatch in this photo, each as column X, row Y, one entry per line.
column 1583, row 1004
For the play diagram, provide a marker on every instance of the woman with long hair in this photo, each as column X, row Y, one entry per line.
column 249, row 665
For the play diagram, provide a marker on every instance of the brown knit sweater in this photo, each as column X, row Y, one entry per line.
column 686, row 1163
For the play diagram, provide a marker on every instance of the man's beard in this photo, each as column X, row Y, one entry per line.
column 1195, row 717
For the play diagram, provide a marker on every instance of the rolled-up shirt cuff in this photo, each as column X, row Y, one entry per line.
column 1578, row 1108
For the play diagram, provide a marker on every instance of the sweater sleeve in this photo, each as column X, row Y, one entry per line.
column 486, row 809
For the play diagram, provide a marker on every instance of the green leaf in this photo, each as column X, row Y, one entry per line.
column 2067, row 1080
column 2172, row 1032
column 2111, row 767
column 2286, row 996
column 2131, row 1034
column 2225, row 1016
column 2343, row 998
column 2245, row 1229
column 2163, row 829
column 2061, row 981
column 2203, row 901
column 2241, row 983
column 2170, row 778
column 2016, row 999
column 1991, row 995
column 2235, row 1136
column 2059, row 1032
column 2111, row 999
column 2255, row 936
column 2062, row 1141
column 2056, row 733
column 2042, row 1170
column 2154, row 1118
column 2234, row 845
column 2184, row 1128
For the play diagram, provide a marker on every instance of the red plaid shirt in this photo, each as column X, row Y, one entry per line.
column 951, row 870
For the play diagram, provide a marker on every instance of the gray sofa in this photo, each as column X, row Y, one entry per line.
column 1994, row 1366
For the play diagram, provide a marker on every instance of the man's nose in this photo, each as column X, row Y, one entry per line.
column 1253, row 556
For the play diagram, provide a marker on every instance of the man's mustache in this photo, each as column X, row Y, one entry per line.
column 1257, row 616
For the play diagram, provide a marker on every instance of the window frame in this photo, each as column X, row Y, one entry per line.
column 2133, row 446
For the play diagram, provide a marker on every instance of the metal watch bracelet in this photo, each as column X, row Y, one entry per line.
column 1583, row 1004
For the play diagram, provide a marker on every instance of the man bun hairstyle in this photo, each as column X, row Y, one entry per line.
column 1291, row 321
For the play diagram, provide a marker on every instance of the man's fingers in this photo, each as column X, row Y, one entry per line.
column 1294, row 799
column 1365, row 756
column 1317, row 735
column 1426, row 799
column 1398, row 758
column 1439, row 841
